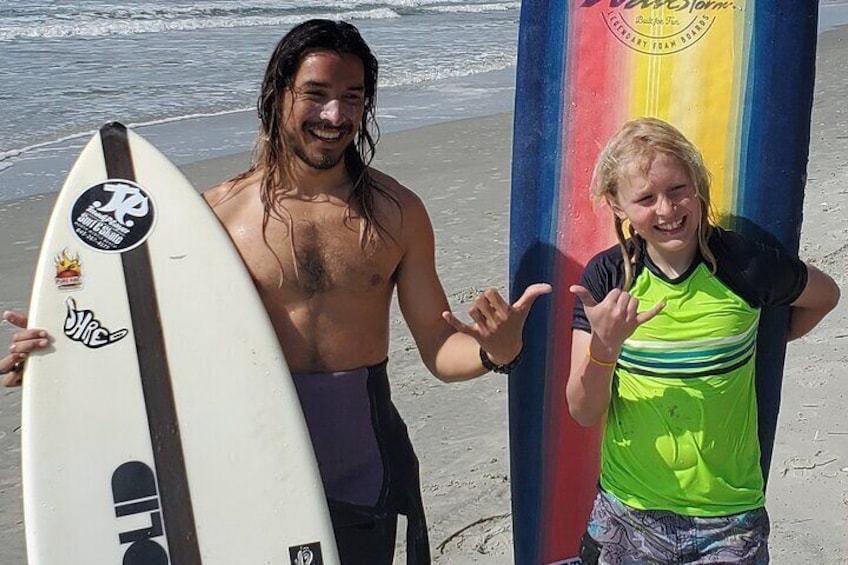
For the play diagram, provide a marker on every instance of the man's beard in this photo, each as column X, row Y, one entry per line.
column 323, row 161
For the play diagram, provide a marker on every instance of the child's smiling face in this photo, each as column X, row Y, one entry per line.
column 660, row 201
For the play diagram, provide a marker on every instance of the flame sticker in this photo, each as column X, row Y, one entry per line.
column 68, row 271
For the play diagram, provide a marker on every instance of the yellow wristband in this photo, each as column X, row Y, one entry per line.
column 598, row 361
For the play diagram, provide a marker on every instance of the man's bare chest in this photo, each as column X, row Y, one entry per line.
column 321, row 255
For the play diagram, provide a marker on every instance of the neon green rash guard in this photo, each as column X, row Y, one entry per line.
column 681, row 431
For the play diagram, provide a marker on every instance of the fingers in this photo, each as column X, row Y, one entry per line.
column 481, row 321
column 488, row 311
column 495, row 300
column 531, row 293
column 23, row 343
column 455, row 323
column 649, row 314
column 11, row 368
column 15, row 318
column 584, row 295
column 627, row 309
column 27, row 341
column 491, row 312
column 13, row 379
column 630, row 307
column 624, row 306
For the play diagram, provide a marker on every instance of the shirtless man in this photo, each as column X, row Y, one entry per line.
column 327, row 240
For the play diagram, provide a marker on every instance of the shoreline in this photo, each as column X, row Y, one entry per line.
column 227, row 134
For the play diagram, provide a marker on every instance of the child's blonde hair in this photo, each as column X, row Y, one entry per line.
column 640, row 141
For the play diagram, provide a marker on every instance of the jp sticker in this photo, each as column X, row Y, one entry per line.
column 113, row 216
column 83, row 327
column 68, row 271
column 307, row 554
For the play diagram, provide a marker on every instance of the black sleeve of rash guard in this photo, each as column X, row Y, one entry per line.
column 762, row 275
column 604, row 272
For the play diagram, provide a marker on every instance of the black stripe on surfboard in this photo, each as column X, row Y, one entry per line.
column 155, row 373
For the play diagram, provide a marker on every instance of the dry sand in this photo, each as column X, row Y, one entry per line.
column 462, row 171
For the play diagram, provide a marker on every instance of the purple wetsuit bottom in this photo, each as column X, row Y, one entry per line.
column 367, row 464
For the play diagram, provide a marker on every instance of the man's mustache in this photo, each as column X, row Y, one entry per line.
column 344, row 129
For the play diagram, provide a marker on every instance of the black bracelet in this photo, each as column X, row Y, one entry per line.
column 503, row 369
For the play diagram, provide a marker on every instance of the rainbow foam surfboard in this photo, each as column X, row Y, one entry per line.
column 737, row 78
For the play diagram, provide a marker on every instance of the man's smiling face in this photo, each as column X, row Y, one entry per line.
column 322, row 111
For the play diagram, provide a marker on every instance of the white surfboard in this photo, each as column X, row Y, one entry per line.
column 162, row 426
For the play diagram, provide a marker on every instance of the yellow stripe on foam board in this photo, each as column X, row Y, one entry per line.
column 709, row 114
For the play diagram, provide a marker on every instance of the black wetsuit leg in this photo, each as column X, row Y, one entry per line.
column 367, row 543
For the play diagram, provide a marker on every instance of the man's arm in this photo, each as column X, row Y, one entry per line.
column 422, row 300
column 449, row 348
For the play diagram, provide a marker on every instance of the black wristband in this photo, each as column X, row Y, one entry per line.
column 503, row 369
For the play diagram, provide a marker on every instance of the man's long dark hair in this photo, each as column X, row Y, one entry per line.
column 271, row 155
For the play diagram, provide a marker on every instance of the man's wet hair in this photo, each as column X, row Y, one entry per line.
column 273, row 158
column 309, row 37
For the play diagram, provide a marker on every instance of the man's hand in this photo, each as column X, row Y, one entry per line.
column 498, row 326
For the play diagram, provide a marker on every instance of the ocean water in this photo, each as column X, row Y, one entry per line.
column 185, row 73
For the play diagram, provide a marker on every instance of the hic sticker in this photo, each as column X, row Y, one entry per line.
column 68, row 271
column 113, row 216
column 83, row 327
column 306, row 554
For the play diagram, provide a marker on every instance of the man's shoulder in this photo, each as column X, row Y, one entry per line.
column 214, row 194
column 397, row 199
column 402, row 209
column 230, row 194
column 392, row 187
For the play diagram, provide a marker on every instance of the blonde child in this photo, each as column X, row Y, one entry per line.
column 664, row 349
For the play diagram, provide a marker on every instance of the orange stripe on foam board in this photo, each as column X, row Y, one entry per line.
column 593, row 110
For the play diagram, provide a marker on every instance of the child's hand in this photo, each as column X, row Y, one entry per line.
column 616, row 317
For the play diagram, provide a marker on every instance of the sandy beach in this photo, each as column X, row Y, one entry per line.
column 461, row 169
